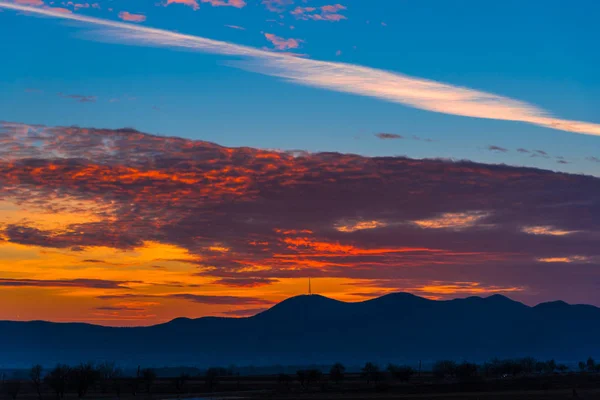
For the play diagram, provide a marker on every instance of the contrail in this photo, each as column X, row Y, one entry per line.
column 390, row 86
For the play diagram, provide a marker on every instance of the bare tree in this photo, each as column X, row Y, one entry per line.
column 57, row 380
column 336, row 373
column 590, row 364
column 466, row 371
column 135, row 382
column 212, row 378
column 84, row 376
column 444, row 368
column 302, row 377
column 35, row 374
column 562, row 368
column 110, row 375
column 149, row 376
column 180, row 382
column 314, row 375
column 371, row 373
column 402, row 373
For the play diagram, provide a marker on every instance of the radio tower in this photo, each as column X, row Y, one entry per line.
column 309, row 288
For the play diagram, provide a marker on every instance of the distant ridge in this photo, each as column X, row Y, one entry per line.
column 398, row 327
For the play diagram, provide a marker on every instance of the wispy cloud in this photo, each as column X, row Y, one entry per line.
column 455, row 221
column 354, row 226
column 79, row 98
column 387, row 136
column 565, row 260
column 239, row 28
column 245, row 282
column 223, row 300
column 119, row 308
column 497, row 149
column 546, row 230
column 390, row 86
column 72, row 283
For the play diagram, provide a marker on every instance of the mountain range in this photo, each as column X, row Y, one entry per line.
column 399, row 327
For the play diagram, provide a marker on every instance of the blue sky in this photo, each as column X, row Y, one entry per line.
column 541, row 53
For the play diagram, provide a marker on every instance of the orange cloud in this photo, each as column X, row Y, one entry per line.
column 219, row 249
column 546, row 230
column 353, row 226
column 167, row 219
column 452, row 220
column 568, row 260
column 126, row 16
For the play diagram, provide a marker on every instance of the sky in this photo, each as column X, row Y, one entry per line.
column 205, row 157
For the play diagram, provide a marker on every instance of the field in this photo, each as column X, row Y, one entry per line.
column 353, row 387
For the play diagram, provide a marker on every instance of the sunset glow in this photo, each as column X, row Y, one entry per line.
column 190, row 158
column 205, row 233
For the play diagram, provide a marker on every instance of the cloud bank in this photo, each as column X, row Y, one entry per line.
column 248, row 219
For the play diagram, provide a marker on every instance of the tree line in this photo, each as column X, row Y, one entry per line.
column 443, row 370
column 109, row 378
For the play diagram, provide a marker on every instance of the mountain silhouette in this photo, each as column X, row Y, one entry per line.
column 397, row 327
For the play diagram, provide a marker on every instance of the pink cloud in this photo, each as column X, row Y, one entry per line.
column 189, row 3
column 60, row 10
column 226, row 3
column 240, row 28
column 277, row 6
column 126, row 16
column 30, row 2
column 283, row 44
column 324, row 13
column 77, row 6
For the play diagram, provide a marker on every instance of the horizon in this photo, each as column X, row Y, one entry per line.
column 192, row 158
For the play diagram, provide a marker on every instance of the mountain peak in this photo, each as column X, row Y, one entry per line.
column 303, row 330
column 300, row 302
column 553, row 305
column 500, row 298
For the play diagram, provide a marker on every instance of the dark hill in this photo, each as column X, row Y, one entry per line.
column 314, row 329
